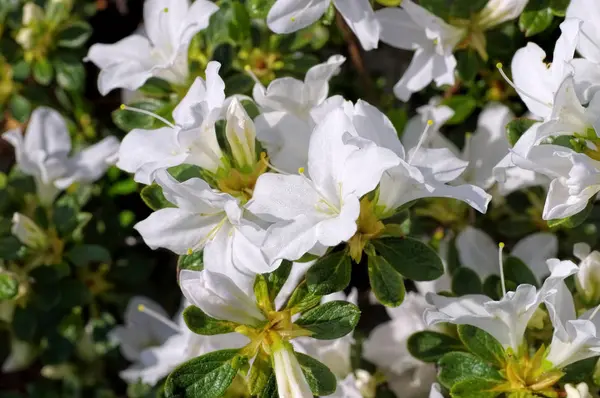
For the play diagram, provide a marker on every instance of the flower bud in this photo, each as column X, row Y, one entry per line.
column 496, row 12
column 29, row 233
column 241, row 135
column 32, row 13
column 587, row 280
column 25, row 38
column 291, row 382
column 580, row 391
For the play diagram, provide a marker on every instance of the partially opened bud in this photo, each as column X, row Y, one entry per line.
column 241, row 135
column 29, row 233
column 291, row 382
column 587, row 280
column 580, row 391
column 32, row 13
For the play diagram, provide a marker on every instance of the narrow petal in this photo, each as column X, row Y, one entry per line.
column 361, row 19
column 399, row 30
column 418, row 75
column 478, row 251
column 287, row 16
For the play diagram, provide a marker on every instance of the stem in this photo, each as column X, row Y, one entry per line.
column 356, row 56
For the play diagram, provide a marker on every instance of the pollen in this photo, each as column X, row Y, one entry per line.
column 300, row 170
column 166, row 9
column 189, row 251
column 430, row 122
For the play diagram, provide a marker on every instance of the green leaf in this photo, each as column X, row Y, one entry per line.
column 153, row 196
column 516, row 128
column 386, row 283
column 329, row 274
column 536, row 17
column 574, row 220
column 331, row 320
column 83, row 255
column 200, row 323
column 156, row 87
column 412, row 258
column 270, row 390
column 482, row 344
column 579, row 371
column 239, row 28
column 276, row 279
column 430, row 346
column 194, row 261
column 207, row 376
column 458, row 366
column 517, row 271
column 43, row 72
column 559, row 7
column 20, row 107
column 492, row 287
column 9, row 248
column 466, row 281
column 462, row 105
column 74, row 35
column 24, row 323
column 475, row 388
column 9, row 286
column 467, row 64
column 260, row 376
column 465, row 8
column 318, row 376
column 70, row 73
column 302, row 299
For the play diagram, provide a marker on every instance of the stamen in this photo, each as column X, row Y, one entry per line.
column 517, row 89
column 263, row 159
column 421, row 141
column 189, row 251
column 500, row 261
column 145, row 112
column 248, row 70
column 159, row 317
column 594, row 313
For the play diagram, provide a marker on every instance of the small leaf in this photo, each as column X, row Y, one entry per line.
column 128, row 120
column 153, row 196
column 329, row 274
column 20, row 107
column 302, row 299
column 9, row 248
column 430, row 346
column 9, row 286
column 193, row 262
column 466, row 281
column 207, row 376
column 516, row 128
column 318, row 376
column 482, row 344
column 467, row 64
column 475, row 388
column 43, row 72
column 458, row 366
column 200, row 323
column 536, row 17
column 412, row 258
column 74, row 34
column 83, row 255
column 70, row 73
column 331, row 320
column 386, row 283
column 517, row 271
column 276, row 279
column 462, row 105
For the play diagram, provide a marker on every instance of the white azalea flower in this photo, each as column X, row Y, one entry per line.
column 478, row 252
column 506, row 319
column 535, row 81
column 291, row 382
column 436, row 391
column 192, row 140
column 170, row 26
column 496, row 12
column 587, row 279
column 386, row 347
column 44, row 154
column 287, row 16
column 414, row 28
column 581, row 390
column 156, row 345
column 220, row 297
column 320, row 209
column 208, row 220
column 291, row 108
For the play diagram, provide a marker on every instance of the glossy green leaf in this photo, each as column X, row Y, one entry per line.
column 153, row 196
column 475, row 388
column 193, row 262
column 482, row 344
column 43, row 72
column 458, row 366
column 9, row 286
column 430, row 346
column 412, row 258
column 318, row 376
column 574, row 220
column 386, row 283
column 331, row 320
column 329, row 274
column 462, row 105
column 83, row 255
column 200, row 323
column 516, row 128
column 466, row 281
column 74, row 34
column 536, row 17
column 517, row 271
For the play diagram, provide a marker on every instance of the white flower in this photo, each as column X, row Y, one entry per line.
column 291, row 382
column 436, row 391
column 506, row 319
column 320, row 209
column 537, row 82
column 44, row 154
column 170, row 26
column 156, row 345
column 219, row 297
column 587, row 279
column 287, row 16
column 208, row 220
column 241, row 135
column 291, row 108
column 580, row 391
column 414, row 28
column 496, row 12
column 574, row 338
column 478, row 252
column 193, row 140
column 28, row 232
column 387, row 348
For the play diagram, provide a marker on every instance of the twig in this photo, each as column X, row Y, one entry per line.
column 356, row 56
